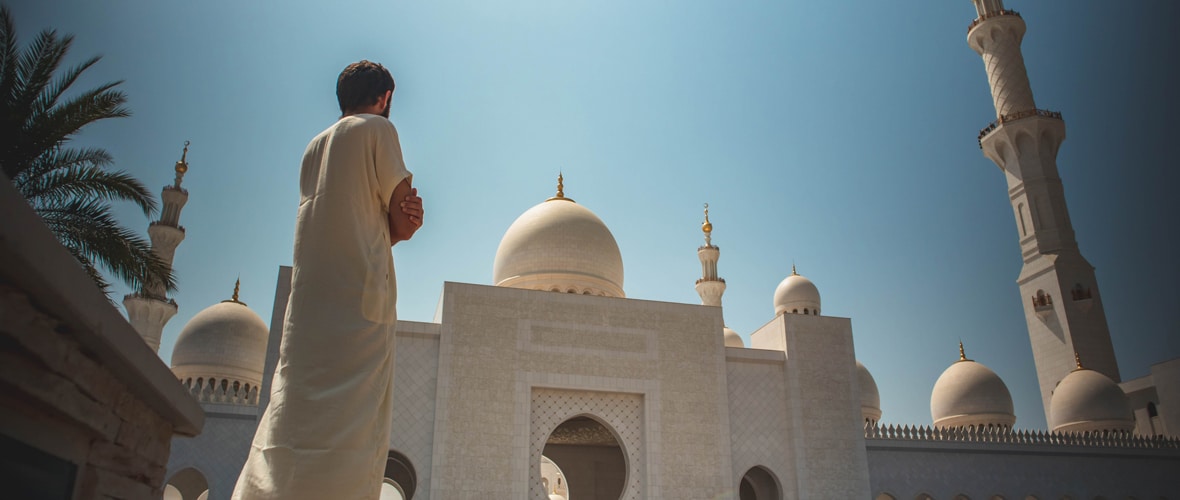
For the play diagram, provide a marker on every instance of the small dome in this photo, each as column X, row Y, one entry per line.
column 796, row 295
column 560, row 246
column 226, row 341
column 870, row 398
column 732, row 339
column 1088, row 401
column 970, row 394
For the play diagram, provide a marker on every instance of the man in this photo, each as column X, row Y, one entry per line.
column 325, row 433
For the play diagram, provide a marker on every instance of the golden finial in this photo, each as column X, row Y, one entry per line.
column 237, row 288
column 793, row 272
column 962, row 354
column 1077, row 360
column 560, row 189
column 182, row 165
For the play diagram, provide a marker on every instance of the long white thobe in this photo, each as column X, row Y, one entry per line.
column 325, row 433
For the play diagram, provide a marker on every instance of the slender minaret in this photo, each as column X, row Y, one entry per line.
column 149, row 309
column 1060, row 293
column 710, row 287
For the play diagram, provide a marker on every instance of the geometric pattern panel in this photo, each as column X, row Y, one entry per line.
column 621, row 413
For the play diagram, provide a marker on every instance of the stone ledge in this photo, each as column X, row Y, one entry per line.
column 32, row 261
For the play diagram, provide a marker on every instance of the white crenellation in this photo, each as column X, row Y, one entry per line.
column 1005, row 435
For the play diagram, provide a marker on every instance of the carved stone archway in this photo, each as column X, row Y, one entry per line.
column 622, row 413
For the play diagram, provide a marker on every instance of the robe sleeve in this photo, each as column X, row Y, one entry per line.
column 389, row 166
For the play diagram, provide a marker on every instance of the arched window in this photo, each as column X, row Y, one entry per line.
column 804, row 310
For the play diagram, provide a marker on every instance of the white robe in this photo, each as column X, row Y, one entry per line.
column 325, row 433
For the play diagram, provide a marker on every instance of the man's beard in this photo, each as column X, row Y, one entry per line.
column 385, row 113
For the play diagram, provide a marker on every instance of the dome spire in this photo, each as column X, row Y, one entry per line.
column 962, row 353
column 1077, row 360
column 560, row 189
column 793, row 271
column 237, row 288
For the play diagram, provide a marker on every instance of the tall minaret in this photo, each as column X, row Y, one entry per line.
column 149, row 309
column 710, row 287
column 1060, row 293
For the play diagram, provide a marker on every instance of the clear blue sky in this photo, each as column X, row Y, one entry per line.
column 837, row 135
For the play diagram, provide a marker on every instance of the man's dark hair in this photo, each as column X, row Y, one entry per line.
column 361, row 84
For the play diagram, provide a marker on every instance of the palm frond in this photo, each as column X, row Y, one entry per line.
column 89, row 227
column 8, row 54
column 36, row 66
column 53, row 91
column 60, row 158
column 84, row 182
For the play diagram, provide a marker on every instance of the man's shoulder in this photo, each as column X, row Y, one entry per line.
column 366, row 122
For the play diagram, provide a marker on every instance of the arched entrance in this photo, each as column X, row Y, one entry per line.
column 401, row 480
column 590, row 457
column 759, row 484
column 620, row 414
column 187, row 484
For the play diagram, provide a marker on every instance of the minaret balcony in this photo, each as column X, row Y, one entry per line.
column 164, row 224
column 1011, row 117
column 990, row 15
column 1042, row 304
column 702, row 280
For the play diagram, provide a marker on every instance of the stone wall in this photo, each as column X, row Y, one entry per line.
column 87, row 409
column 52, row 390
column 907, row 468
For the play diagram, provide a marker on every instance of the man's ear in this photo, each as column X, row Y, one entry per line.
column 388, row 96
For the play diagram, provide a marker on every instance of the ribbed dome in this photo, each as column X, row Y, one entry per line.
column 560, row 246
column 796, row 295
column 970, row 394
column 870, row 398
column 732, row 339
column 226, row 341
column 1088, row 401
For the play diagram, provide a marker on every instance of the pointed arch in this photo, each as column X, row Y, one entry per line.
column 759, row 483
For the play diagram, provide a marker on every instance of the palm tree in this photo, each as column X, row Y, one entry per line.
column 71, row 188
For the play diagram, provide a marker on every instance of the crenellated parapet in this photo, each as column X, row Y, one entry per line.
column 1004, row 435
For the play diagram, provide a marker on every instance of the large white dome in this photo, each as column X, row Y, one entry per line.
column 870, row 398
column 560, row 246
column 224, row 342
column 1088, row 401
column 970, row 394
column 796, row 295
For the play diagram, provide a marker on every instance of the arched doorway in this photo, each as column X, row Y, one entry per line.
column 590, row 457
column 401, row 480
column 187, row 484
column 759, row 484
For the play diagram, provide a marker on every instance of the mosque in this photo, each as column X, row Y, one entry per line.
column 551, row 384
